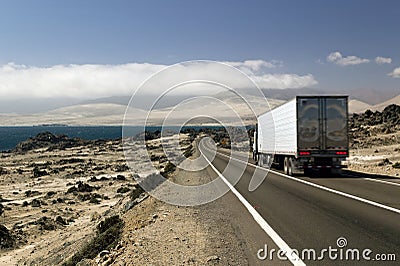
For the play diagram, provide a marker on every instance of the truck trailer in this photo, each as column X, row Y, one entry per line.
column 308, row 132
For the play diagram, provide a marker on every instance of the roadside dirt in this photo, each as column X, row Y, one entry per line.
column 375, row 142
column 157, row 233
column 52, row 214
column 53, row 199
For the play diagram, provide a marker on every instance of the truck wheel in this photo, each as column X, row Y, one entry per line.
column 290, row 166
column 286, row 166
column 259, row 160
column 269, row 161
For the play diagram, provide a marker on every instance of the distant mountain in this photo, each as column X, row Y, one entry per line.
column 90, row 110
column 122, row 100
column 144, row 102
column 368, row 96
column 30, row 105
column 224, row 106
column 87, row 114
column 381, row 106
column 373, row 96
column 288, row 94
column 356, row 106
column 110, row 111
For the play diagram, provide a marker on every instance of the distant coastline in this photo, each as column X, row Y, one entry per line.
column 10, row 136
column 51, row 125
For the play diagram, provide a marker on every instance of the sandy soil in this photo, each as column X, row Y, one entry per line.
column 158, row 233
column 49, row 222
column 52, row 215
column 376, row 160
column 155, row 233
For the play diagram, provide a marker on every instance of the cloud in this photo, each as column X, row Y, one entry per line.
column 383, row 60
column 255, row 66
column 86, row 81
column 395, row 73
column 284, row 81
column 337, row 58
column 94, row 81
column 332, row 57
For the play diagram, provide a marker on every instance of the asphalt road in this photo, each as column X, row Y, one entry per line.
column 307, row 217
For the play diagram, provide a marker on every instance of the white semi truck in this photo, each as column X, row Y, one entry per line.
column 308, row 132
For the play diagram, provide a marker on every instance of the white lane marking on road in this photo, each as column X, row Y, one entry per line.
column 344, row 194
column 294, row 259
column 382, row 181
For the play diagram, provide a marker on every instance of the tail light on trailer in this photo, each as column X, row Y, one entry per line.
column 303, row 153
column 341, row 153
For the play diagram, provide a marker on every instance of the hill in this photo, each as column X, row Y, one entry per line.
column 97, row 113
column 87, row 114
column 110, row 111
column 356, row 106
column 382, row 106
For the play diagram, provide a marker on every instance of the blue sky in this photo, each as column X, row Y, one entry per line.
column 299, row 34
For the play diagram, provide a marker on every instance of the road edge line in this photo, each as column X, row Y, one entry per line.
column 293, row 258
column 344, row 194
column 382, row 181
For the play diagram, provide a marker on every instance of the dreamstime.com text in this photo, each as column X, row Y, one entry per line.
column 338, row 253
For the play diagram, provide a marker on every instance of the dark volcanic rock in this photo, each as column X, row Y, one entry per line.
column 61, row 220
column 71, row 161
column 30, row 193
column 4, row 200
column 366, row 126
column 39, row 172
column 120, row 168
column 120, row 177
column 6, row 238
column 390, row 116
column 3, row 171
column 81, row 187
column 50, row 141
column 36, row 203
column 123, row 190
column 45, row 223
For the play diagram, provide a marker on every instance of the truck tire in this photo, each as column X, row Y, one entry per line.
column 269, row 159
column 286, row 166
column 259, row 160
column 290, row 166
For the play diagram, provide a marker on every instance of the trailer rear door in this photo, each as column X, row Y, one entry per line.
column 322, row 123
column 335, row 126
column 308, row 122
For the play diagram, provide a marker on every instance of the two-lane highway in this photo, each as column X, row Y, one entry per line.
column 310, row 217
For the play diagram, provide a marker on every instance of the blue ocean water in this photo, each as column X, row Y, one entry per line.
column 11, row 136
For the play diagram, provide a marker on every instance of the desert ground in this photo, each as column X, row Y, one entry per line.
column 74, row 202
column 57, row 198
column 375, row 142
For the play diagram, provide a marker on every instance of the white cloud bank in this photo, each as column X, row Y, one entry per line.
column 337, row 58
column 395, row 73
column 284, row 81
column 93, row 81
column 254, row 66
column 383, row 60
